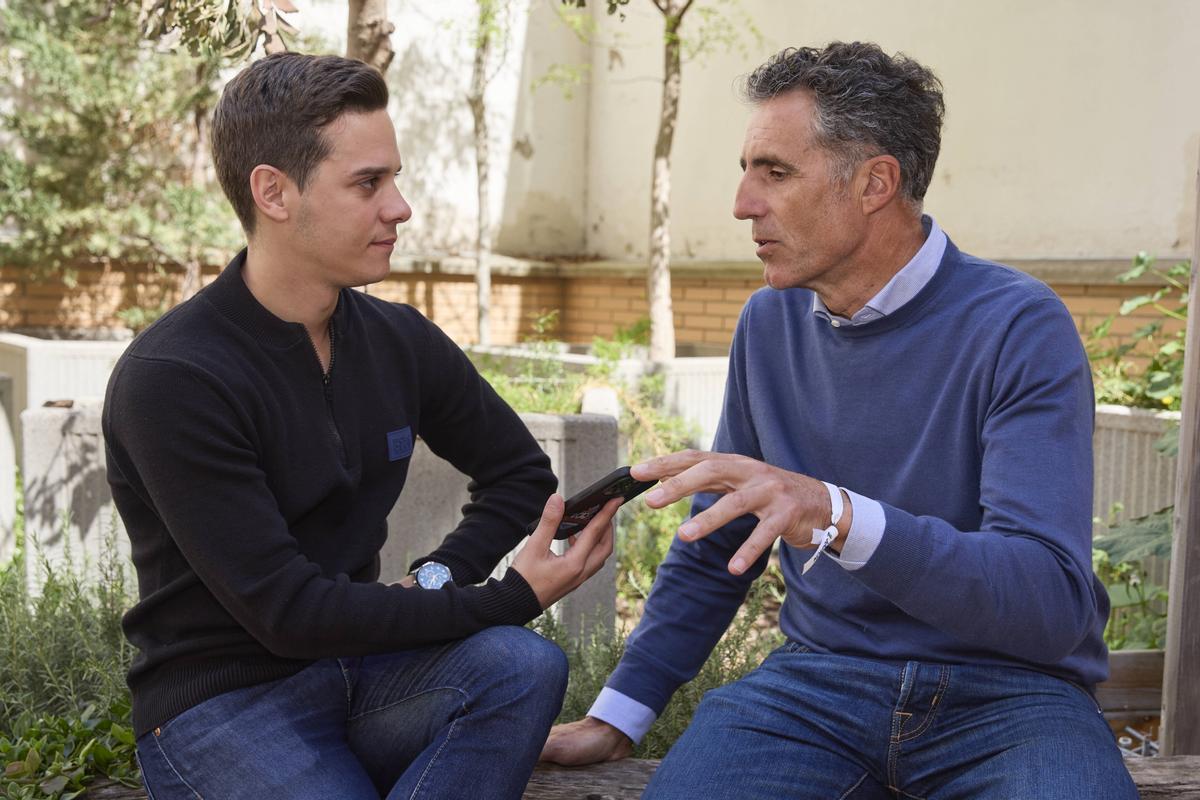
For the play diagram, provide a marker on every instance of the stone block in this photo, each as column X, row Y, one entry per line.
column 69, row 513
column 70, row 517
column 582, row 449
column 8, row 473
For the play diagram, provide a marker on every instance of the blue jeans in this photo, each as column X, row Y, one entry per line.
column 805, row 725
column 466, row 719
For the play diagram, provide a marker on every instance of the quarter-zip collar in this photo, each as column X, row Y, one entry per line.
column 230, row 295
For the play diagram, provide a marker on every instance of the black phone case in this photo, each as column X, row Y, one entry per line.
column 582, row 506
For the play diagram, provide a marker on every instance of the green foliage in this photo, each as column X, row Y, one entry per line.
column 58, row 756
column 644, row 535
column 1159, row 384
column 1137, row 620
column 543, row 384
column 138, row 318
column 613, row 5
column 741, row 649
column 721, row 26
column 103, row 146
column 1137, row 539
column 64, row 706
column 64, row 648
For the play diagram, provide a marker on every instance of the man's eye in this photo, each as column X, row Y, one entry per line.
column 777, row 174
column 369, row 183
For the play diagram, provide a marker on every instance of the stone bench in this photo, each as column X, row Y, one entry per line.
column 1174, row 777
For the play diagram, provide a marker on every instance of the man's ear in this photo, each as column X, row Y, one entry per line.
column 270, row 189
column 882, row 182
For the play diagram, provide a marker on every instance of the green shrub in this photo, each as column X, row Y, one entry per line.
column 58, row 756
column 1138, row 620
column 64, row 648
column 1118, row 377
column 64, row 706
column 544, row 385
column 741, row 649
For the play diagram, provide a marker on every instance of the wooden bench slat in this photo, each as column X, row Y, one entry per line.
column 1162, row 778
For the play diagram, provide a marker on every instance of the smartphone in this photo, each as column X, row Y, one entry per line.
column 582, row 506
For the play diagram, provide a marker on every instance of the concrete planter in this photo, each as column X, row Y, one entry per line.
column 694, row 386
column 53, row 369
column 70, row 516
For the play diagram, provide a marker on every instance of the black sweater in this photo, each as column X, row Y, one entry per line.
column 255, row 489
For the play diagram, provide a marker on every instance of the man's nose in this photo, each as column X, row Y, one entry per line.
column 397, row 209
column 746, row 204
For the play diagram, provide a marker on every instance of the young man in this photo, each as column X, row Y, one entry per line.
column 915, row 425
column 257, row 437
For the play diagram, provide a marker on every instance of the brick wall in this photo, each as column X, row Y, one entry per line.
column 593, row 300
column 87, row 298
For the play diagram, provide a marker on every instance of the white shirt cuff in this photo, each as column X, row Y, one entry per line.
column 622, row 712
column 866, row 531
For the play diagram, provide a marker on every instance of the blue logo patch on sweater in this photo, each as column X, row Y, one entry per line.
column 400, row 444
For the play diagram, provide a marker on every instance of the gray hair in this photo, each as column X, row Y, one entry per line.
column 867, row 104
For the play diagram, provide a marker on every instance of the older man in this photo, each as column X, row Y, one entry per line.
column 914, row 424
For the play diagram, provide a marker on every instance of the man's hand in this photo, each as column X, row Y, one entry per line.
column 552, row 576
column 788, row 505
column 585, row 741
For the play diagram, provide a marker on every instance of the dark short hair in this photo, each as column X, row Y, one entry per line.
column 274, row 112
column 867, row 104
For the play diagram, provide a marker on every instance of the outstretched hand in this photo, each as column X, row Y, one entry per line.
column 585, row 741
column 788, row 505
column 552, row 576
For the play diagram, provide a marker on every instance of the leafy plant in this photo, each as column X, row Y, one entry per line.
column 1138, row 617
column 64, row 648
column 544, row 384
column 1137, row 620
column 105, row 154
column 741, row 649
column 1159, row 383
column 58, row 756
column 64, row 706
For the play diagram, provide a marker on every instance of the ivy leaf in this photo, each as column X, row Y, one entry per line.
column 55, row 785
column 1134, row 303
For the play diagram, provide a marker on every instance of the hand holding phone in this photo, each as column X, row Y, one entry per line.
column 584, row 505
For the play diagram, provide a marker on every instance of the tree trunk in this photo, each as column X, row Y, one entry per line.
column 483, row 224
column 658, row 277
column 369, row 34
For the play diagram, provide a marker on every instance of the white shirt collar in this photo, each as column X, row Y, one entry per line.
column 903, row 286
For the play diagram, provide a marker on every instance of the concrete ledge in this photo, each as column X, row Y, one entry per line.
column 1069, row 271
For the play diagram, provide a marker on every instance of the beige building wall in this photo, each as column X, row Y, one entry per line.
column 1070, row 134
column 1070, row 144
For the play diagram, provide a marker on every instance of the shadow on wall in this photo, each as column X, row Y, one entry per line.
column 65, row 485
column 435, row 135
column 546, row 148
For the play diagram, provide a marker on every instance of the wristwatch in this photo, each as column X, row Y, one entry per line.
column 432, row 575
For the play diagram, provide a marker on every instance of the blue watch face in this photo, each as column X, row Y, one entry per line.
column 433, row 575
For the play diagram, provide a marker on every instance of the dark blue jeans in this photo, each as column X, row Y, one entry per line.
column 467, row 719
column 805, row 725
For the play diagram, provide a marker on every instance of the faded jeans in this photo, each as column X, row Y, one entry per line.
column 807, row 725
column 466, row 719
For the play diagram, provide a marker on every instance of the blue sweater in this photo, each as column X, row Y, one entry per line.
column 968, row 415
